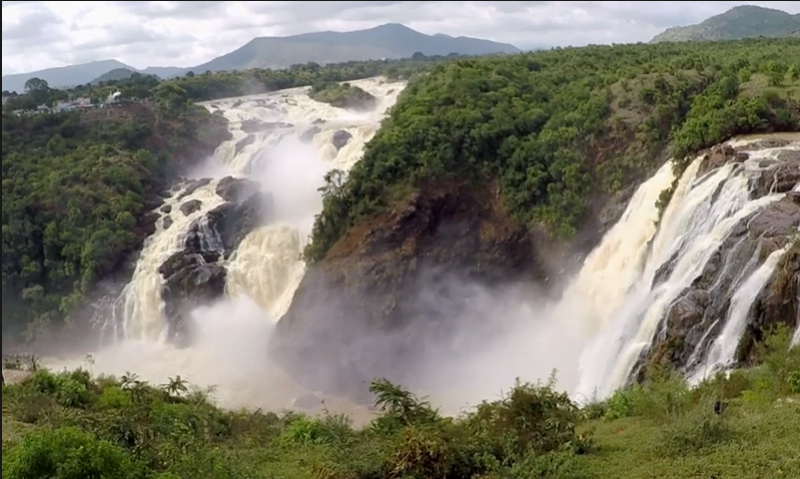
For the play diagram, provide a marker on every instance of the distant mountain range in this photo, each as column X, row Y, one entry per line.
column 391, row 40
column 745, row 21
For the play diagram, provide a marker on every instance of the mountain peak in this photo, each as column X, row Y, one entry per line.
column 389, row 40
column 743, row 21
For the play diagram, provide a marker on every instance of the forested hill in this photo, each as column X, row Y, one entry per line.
column 745, row 21
column 561, row 128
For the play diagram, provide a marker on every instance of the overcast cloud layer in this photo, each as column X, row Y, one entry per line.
column 39, row 35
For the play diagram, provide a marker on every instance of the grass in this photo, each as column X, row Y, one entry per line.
column 761, row 443
column 745, row 425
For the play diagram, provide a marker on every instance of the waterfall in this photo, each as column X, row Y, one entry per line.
column 611, row 314
column 658, row 265
column 287, row 142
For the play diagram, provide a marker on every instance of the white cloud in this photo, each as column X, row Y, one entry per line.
column 39, row 35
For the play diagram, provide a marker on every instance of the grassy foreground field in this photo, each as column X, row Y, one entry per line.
column 745, row 426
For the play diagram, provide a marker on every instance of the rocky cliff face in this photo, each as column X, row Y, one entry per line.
column 693, row 320
column 195, row 275
column 397, row 286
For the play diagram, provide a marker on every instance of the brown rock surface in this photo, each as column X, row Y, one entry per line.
column 362, row 312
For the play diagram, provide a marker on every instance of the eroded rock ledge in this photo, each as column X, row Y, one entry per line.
column 359, row 313
column 194, row 276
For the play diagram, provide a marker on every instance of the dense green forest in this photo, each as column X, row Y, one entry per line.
column 77, row 188
column 746, row 426
column 561, row 128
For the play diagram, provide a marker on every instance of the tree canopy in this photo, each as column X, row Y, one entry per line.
column 558, row 128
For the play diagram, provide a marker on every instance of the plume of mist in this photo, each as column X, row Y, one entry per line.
column 465, row 341
column 293, row 174
column 462, row 342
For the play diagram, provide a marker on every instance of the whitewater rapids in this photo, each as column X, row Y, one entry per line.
column 287, row 142
column 593, row 336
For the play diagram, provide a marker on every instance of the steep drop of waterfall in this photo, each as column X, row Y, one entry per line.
column 657, row 265
column 287, row 143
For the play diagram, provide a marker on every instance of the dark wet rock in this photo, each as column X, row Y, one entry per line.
column 192, row 186
column 243, row 143
column 166, row 209
column 307, row 401
column 780, row 177
column 700, row 310
column 167, row 222
column 319, row 121
column 716, row 157
column 154, row 202
column 258, row 126
column 192, row 279
column 147, row 224
column 309, row 134
column 194, row 275
column 190, row 207
column 236, row 189
column 233, row 221
column 340, row 139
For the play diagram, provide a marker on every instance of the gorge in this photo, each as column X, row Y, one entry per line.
column 581, row 263
column 444, row 279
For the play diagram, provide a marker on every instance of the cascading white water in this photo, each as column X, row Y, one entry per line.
column 141, row 309
column 266, row 267
column 723, row 350
column 699, row 217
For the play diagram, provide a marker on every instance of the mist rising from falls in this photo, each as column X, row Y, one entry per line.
column 287, row 142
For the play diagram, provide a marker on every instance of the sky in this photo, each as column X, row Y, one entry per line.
column 38, row 35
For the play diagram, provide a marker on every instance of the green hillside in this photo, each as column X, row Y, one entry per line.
column 745, row 21
column 114, row 75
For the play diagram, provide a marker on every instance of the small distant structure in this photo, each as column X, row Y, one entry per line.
column 112, row 98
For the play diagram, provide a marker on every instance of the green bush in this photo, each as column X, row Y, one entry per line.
column 67, row 453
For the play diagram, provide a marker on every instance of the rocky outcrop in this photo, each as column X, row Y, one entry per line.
column 244, row 143
column 194, row 276
column 308, row 135
column 258, row 126
column 340, row 139
column 392, row 289
column 697, row 316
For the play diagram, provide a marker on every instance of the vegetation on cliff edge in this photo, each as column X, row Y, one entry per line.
column 561, row 128
column 342, row 95
column 745, row 426
column 76, row 190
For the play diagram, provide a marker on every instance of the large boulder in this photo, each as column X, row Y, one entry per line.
column 395, row 289
column 194, row 276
